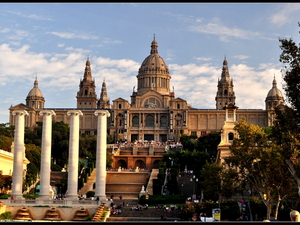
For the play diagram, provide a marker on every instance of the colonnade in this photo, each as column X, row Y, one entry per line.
column 73, row 158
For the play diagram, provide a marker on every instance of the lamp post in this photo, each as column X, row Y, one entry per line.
column 194, row 179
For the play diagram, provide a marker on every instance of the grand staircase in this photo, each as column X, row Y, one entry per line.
column 88, row 186
column 126, row 184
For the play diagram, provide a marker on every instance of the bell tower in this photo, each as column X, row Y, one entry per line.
column 86, row 96
column 225, row 93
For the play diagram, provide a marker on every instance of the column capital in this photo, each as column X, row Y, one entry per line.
column 75, row 112
column 102, row 113
column 20, row 112
column 47, row 112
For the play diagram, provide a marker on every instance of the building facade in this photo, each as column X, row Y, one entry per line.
column 153, row 113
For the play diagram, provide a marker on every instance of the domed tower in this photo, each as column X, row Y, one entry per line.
column 153, row 73
column 103, row 102
column 35, row 98
column 225, row 93
column 86, row 96
column 273, row 99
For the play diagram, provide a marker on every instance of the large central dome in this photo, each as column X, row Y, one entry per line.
column 154, row 73
column 154, row 63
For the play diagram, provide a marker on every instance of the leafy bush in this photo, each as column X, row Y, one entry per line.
column 90, row 194
column 30, row 196
column 4, row 196
column 5, row 216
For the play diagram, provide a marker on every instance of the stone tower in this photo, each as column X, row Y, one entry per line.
column 273, row 99
column 225, row 93
column 35, row 98
column 86, row 96
column 103, row 102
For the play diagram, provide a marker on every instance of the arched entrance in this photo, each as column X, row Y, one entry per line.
column 155, row 164
column 121, row 163
column 140, row 164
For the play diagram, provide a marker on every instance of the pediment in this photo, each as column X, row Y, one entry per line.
column 21, row 106
column 120, row 100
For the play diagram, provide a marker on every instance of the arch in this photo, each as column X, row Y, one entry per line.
column 230, row 137
column 152, row 102
column 135, row 121
column 155, row 164
column 140, row 163
column 121, row 163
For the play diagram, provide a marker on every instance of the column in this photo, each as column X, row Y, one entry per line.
column 19, row 153
column 45, row 172
column 73, row 159
column 101, row 154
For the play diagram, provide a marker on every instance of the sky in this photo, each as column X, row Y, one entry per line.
column 52, row 41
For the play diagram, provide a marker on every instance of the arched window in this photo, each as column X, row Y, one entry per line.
column 230, row 137
column 135, row 121
column 163, row 121
column 149, row 121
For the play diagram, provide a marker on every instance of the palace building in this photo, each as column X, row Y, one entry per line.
column 153, row 113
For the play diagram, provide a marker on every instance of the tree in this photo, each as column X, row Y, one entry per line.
column 258, row 160
column 210, row 181
column 288, row 118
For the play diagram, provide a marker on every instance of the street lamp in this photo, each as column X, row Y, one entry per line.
column 194, row 179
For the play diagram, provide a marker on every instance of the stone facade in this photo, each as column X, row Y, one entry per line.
column 154, row 113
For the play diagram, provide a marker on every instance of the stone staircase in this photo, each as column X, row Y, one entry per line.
column 88, row 186
column 127, row 184
column 149, row 214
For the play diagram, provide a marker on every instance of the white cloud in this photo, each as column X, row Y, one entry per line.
column 241, row 56
column 30, row 16
column 223, row 32
column 68, row 35
column 285, row 14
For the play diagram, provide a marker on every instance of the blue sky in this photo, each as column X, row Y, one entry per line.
column 53, row 40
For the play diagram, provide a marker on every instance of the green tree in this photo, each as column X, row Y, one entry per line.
column 210, row 181
column 259, row 162
column 286, row 126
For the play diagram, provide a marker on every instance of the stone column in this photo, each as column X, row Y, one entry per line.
column 101, row 154
column 19, row 154
column 45, row 173
column 72, row 192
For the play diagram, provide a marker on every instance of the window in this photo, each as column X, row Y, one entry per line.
column 152, row 103
column 135, row 121
column 163, row 121
column 149, row 121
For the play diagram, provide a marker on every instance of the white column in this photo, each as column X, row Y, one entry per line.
column 101, row 154
column 72, row 192
column 19, row 154
column 45, row 172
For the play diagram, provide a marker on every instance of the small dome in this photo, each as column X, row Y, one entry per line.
column 35, row 91
column 275, row 92
column 154, row 63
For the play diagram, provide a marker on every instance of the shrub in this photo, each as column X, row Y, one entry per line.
column 5, row 216
column 90, row 194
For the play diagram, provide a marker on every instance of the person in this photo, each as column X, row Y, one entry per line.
column 272, row 217
column 295, row 216
column 194, row 217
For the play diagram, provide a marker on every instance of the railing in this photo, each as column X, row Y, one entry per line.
column 65, row 202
